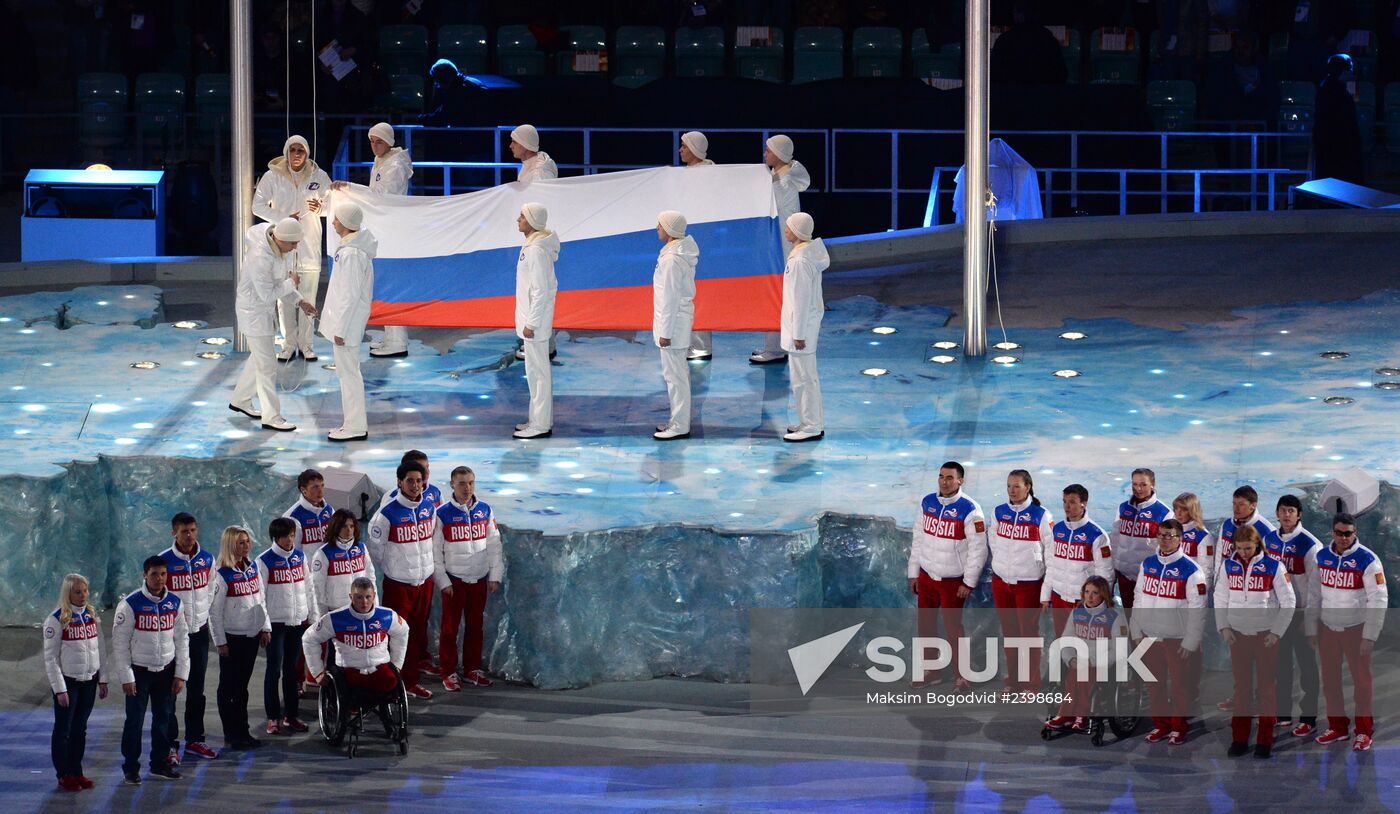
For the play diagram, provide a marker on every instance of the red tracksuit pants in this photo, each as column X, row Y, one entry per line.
column 413, row 603
column 1018, row 608
column 1059, row 612
column 467, row 599
column 1332, row 647
column 381, row 680
column 1172, row 696
column 1254, row 665
column 941, row 594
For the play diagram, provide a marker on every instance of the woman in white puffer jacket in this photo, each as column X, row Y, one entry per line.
column 294, row 187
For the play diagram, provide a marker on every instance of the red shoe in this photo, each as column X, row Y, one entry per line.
column 1331, row 736
column 85, row 783
column 1303, row 730
column 1059, row 722
column 1081, row 725
column 419, row 691
column 274, row 727
column 1361, row 744
column 1226, row 705
column 429, row 668
column 1176, row 739
column 202, row 749
column 1156, row 736
column 477, row 678
column 69, row 783
column 452, row 683
column 174, row 758
column 294, row 724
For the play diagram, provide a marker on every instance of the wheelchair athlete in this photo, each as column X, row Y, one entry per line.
column 1096, row 617
column 370, row 642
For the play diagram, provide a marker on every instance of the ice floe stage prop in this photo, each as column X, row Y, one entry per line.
column 450, row 261
column 629, row 559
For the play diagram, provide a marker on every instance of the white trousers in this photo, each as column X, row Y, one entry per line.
column 806, row 391
column 259, row 378
column 541, row 380
column 676, row 373
column 352, row 387
column 702, row 340
column 296, row 325
column 395, row 339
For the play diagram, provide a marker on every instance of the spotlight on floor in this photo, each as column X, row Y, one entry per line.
column 145, row 365
column 211, row 354
column 1338, row 400
column 190, row 324
column 329, row 366
column 1007, row 346
column 1334, row 354
column 943, row 359
column 215, row 340
column 945, row 345
column 1388, row 384
column 883, row 330
column 1388, row 371
column 1066, row 374
column 874, row 371
column 1073, row 336
column 1005, row 360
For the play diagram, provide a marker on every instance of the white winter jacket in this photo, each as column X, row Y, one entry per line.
column 536, row 285
column 803, row 306
column 280, row 192
column 1254, row 597
column 363, row 641
column 264, row 280
column 466, row 544
column 401, row 540
column 1017, row 538
column 950, row 539
column 673, row 292
column 345, row 312
column 73, row 651
column 238, row 607
column 1089, row 625
column 1078, row 549
column 334, row 567
column 286, row 589
column 1169, row 599
column 539, row 168
column 788, row 181
column 391, row 172
column 149, row 631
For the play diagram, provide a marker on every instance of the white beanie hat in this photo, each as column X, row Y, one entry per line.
column 535, row 215
column 798, row 222
column 350, row 216
column 673, row 222
column 287, row 147
column 782, row 147
column 383, row 131
column 288, row 230
column 526, row 136
column 697, row 143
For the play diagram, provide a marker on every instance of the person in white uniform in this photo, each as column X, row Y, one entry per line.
column 694, row 147
column 802, row 313
column 267, row 279
column 294, row 187
column 345, row 313
column 535, row 165
column 673, row 312
column 535, row 290
column 789, row 179
column 392, row 169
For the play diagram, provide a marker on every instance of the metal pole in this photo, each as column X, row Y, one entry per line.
column 975, row 87
column 241, row 120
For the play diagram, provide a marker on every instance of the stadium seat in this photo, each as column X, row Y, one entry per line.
column 1172, row 104
column 760, row 60
column 101, row 109
column 946, row 63
column 211, row 104
column 1366, row 113
column 517, row 53
column 160, row 105
column 700, row 51
column 639, row 54
column 406, row 93
column 582, row 39
column 465, row 45
column 1391, row 112
column 877, row 52
column 818, row 52
column 403, row 49
column 1074, row 56
column 1114, row 67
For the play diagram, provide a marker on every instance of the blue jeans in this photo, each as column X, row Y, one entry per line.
column 282, row 653
column 194, row 692
column 70, row 726
column 153, row 687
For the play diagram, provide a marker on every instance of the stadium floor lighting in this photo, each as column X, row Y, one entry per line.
column 1073, row 336
column 883, row 330
column 1338, row 400
column 874, row 371
column 945, row 345
column 1005, row 360
column 1066, row 374
column 189, row 324
column 145, row 365
column 1388, row 385
column 1007, row 346
column 943, row 359
column 215, row 340
column 1334, row 354
column 211, row 354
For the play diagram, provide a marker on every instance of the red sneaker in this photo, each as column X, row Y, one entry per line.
column 419, row 691
column 274, row 727
column 1331, row 736
column 1081, row 725
column 1303, row 730
column 429, row 668
column 202, row 749
column 1059, row 722
column 1361, row 744
column 452, row 683
column 1156, row 736
column 477, row 678
column 1226, row 705
column 174, row 758
column 85, row 783
column 294, row 724
column 69, row 783
column 1176, row 739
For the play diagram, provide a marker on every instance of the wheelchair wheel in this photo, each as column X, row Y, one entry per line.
column 332, row 715
column 397, row 708
column 1128, row 698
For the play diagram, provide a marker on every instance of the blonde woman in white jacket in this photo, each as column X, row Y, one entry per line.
column 673, row 314
column 294, row 187
column 345, row 314
column 802, row 313
column 239, row 623
column 77, row 671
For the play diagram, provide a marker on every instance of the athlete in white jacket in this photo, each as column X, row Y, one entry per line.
column 1169, row 606
column 789, row 179
column 1079, row 549
column 268, row 256
column 151, row 659
column 694, row 147
column 282, row 570
column 535, row 290
column 77, row 671
column 338, row 563
column 294, row 187
column 467, row 567
column 673, row 314
column 1135, row 530
column 367, row 639
column 801, row 322
column 238, row 619
column 345, row 314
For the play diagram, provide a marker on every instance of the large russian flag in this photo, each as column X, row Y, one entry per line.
column 450, row 261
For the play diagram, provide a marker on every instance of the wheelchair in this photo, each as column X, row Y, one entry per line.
column 343, row 709
column 1114, row 707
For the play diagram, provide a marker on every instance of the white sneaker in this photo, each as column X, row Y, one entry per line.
column 799, row 435
column 697, row 355
column 343, row 434
column 309, row 355
column 520, row 353
column 286, row 354
column 279, row 425
column 533, row 432
column 376, row 344
column 670, row 433
column 386, row 352
column 521, row 426
column 764, row 357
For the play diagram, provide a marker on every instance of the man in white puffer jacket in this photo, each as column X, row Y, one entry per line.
column 789, row 179
column 467, row 567
column 346, row 313
column 151, row 659
column 802, row 313
column 673, row 314
column 294, row 187
column 535, row 290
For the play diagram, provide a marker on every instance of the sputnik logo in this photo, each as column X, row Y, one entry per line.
column 811, row 660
